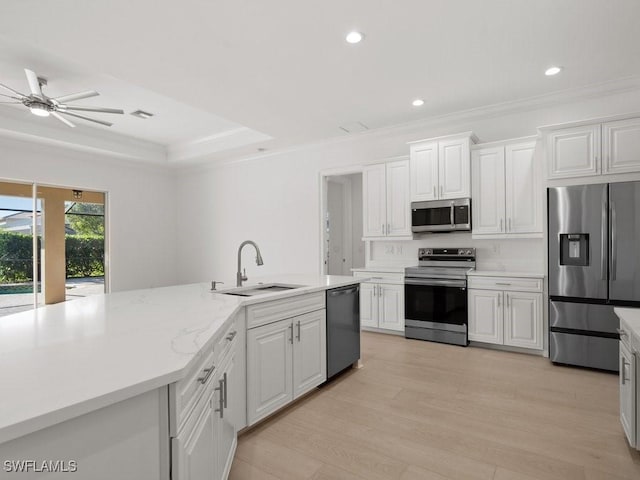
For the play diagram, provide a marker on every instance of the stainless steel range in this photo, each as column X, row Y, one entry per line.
column 435, row 295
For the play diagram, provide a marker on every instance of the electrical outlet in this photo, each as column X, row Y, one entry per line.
column 388, row 249
column 496, row 248
column 399, row 250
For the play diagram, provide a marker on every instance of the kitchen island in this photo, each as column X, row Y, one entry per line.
column 95, row 373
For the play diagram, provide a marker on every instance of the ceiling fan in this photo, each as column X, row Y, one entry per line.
column 43, row 106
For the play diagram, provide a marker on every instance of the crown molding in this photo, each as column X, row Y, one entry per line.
column 613, row 87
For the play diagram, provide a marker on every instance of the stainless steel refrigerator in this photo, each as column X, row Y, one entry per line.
column 594, row 238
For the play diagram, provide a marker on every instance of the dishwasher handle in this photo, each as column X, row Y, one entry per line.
column 335, row 293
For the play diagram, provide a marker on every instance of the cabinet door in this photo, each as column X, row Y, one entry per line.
column 486, row 316
column 193, row 450
column 391, row 307
column 454, row 165
column 309, row 351
column 369, row 305
column 225, row 403
column 374, row 202
column 523, row 202
column 398, row 202
column 621, row 146
column 269, row 374
column 424, row 172
column 574, row 152
column 628, row 381
column 523, row 319
column 488, row 191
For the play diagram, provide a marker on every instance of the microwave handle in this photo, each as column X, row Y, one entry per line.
column 451, row 215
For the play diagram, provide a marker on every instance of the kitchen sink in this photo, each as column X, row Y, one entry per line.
column 260, row 289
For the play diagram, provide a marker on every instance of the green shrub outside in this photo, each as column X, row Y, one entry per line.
column 84, row 256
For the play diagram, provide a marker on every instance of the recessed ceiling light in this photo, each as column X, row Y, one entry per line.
column 552, row 71
column 354, row 37
column 418, row 102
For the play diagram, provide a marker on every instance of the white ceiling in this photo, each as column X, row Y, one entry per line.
column 282, row 67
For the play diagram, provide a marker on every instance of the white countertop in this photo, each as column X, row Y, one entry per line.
column 630, row 317
column 501, row 273
column 394, row 269
column 61, row 361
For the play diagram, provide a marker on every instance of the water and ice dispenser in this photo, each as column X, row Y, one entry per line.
column 574, row 249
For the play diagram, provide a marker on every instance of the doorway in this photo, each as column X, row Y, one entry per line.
column 343, row 247
column 52, row 245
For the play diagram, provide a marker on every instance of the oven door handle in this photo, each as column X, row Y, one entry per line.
column 435, row 282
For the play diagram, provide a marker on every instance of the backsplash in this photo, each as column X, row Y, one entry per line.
column 517, row 255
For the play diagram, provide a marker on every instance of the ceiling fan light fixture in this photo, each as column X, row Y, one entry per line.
column 39, row 110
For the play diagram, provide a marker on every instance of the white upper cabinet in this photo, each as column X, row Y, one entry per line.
column 574, row 152
column 454, row 168
column 374, row 203
column 601, row 147
column 621, row 146
column 522, row 189
column 440, row 168
column 506, row 190
column 386, row 205
column 424, row 172
column 488, row 192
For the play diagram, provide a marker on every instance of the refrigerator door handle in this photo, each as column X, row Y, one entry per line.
column 614, row 242
column 603, row 241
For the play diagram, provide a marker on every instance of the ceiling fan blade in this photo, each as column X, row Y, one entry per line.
column 62, row 119
column 34, row 83
column 64, row 108
column 15, row 92
column 6, row 103
column 106, row 124
column 9, row 96
column 76, row 96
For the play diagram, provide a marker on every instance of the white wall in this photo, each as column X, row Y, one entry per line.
column 274, row 199
column 141, row 205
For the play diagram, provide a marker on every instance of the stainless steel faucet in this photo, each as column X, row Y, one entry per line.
column 240, row 276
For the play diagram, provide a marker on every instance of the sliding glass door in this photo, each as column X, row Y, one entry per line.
column 52, row 245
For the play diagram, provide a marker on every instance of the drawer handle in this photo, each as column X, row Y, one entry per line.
column 207, row 374
column 503, row 283
column 232, row 335
column 621, row 332
column 377, row 278
column 220, row 388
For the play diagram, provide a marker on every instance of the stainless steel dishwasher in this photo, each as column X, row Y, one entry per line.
column 343, row 328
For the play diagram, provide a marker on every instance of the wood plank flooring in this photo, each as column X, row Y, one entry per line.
column 426, row 411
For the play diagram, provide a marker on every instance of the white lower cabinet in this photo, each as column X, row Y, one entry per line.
column 285, row 359
column 503, row 316
column 382, row 300
column 382, row 306
column 193, row 450
column 204, row 436
column 486, row 316
column 628, row 399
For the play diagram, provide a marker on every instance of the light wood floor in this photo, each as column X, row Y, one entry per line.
column 421, row 410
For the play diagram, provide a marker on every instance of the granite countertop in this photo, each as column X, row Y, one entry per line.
column 61, row 361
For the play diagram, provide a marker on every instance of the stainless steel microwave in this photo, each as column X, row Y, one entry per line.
column 441, row 215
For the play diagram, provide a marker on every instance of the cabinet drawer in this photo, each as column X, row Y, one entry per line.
column 226, row 340
column 269, row 312
column 184, row 393
column 520, row 284
column 381, row 277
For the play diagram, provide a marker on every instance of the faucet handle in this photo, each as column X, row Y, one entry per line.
column 244, row 274
column 214, row 283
